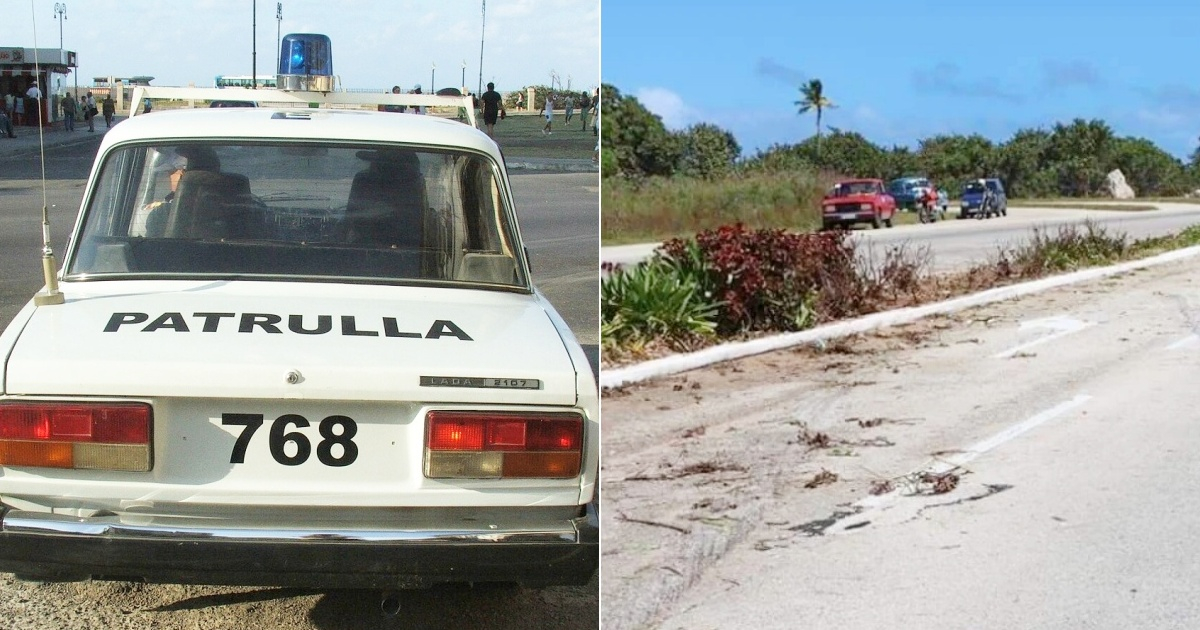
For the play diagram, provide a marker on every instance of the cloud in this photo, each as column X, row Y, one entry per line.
column 866, row 114
column 1163, row 118
column 1176, row 97
column 774, row 70
column 946, row 78
column 1066, row 74
column 669, row 106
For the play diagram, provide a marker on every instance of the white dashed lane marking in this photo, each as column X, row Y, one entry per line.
column 869, row 508
column 1061, row 325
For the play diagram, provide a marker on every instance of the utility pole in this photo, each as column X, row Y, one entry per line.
column 278, row 25
column 254, row 46
column 60, row 12
column 432, row 73
column 482, row 29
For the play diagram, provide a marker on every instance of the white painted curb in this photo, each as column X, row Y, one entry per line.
column 725, row 352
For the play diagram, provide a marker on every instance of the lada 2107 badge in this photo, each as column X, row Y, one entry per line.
column 296, row 345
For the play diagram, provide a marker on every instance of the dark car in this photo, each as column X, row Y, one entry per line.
column 233, row 104
column 972, row 197
column 906, row 191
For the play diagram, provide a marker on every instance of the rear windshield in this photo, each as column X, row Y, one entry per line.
column 855, row 188
column 287, row 210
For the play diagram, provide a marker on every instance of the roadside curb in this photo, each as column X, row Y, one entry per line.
column 36, row 148
column 675, row 364
column 568, row 166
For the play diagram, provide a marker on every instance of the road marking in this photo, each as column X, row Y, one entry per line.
column 562, row 239
column 1189, row 340
column 1062, row 325
column 867, row 507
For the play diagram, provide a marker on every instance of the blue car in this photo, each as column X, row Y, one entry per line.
column 907, row 189
column 972, row 197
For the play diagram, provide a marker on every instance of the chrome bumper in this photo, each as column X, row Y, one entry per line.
column 54, row 547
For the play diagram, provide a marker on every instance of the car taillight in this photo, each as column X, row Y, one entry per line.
column 478, row 444
column 99, row 436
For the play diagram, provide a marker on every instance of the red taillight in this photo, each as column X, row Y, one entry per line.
column 469, row 444
column 119, row 423
column 456, row 435
column 111, row 436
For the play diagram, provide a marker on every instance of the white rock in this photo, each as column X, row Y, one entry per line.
column 1118, row 188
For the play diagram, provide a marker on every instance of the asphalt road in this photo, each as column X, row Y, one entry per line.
column 956, row 244
column 561, row 228
column 560, row 224
column 740, row 495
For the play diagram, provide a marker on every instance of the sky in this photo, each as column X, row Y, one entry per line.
column 376, row 43
column 901, row 70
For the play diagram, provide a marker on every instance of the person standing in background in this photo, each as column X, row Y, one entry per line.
column 19, row 109
column 34, row 96
column 596, row 113
column 418, row 109
column 110, row 110
column 68, row 110
column 397, row 109
column 585, row 103
column 493, row 106
column 549, row 113
column 87, row 113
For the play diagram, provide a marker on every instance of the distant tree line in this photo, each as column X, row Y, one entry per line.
column 1068, row 159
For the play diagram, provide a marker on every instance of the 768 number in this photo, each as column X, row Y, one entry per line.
column 334, row 430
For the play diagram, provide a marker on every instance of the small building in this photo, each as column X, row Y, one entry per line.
column 20, row 67
column 120, row 88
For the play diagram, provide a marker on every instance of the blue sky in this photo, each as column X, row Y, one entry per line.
column 376, row 43
column 903, row 70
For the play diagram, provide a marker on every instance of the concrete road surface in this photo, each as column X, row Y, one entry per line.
column 1063, row 429
column 956, row 244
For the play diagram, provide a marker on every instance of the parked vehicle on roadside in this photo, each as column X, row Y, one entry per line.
column 907, row 191
column 854, row 201
column 973, row 196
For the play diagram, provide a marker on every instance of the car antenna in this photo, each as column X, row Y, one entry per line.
column 51, row 295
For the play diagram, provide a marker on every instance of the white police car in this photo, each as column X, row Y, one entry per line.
column 296, row 347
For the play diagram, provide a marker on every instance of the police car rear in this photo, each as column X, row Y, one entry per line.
column 297, row 348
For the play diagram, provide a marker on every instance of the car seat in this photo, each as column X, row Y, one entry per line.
column 387, row 201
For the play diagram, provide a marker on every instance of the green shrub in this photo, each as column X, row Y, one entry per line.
column 653, row 301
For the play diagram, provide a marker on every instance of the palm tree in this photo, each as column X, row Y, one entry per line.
column 814, row 98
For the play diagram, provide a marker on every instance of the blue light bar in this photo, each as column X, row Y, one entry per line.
column 305, row 63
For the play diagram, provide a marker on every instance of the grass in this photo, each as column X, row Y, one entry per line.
column 521, row 136
column 659, row 209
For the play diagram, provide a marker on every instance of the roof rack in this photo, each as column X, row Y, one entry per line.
column 299, row 98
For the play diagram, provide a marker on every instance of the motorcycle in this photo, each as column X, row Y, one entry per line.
column 927, row 209
column 986, row 206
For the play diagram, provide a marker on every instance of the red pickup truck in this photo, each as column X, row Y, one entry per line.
column 857, row 201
